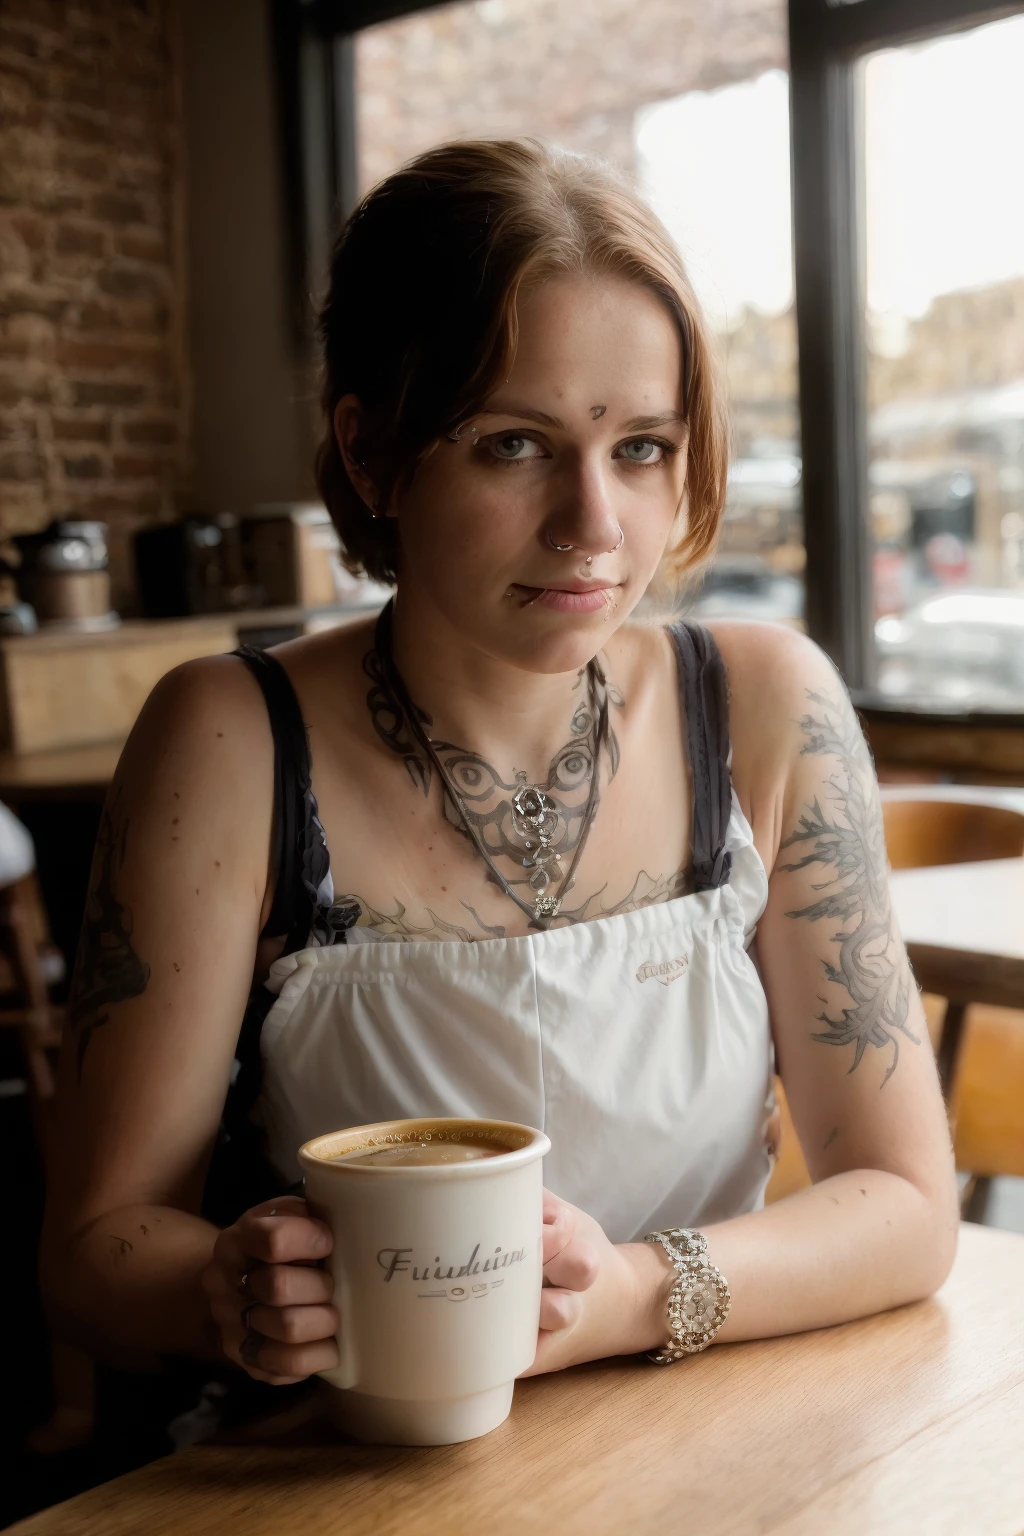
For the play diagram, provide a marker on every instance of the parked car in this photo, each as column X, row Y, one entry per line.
column 962, row 648
column 746, row 587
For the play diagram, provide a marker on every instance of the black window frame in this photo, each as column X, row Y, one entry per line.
column 827, row 41
column 315, row 48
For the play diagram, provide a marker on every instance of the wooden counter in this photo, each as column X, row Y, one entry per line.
column 911, row 1422
column 68, row 701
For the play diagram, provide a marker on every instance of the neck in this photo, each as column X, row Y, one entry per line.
column 508, row 715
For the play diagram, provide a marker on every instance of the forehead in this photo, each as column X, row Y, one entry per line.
column 603, row 334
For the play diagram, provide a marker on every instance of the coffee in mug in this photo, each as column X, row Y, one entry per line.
column 437, row 1265
column 408, row 1154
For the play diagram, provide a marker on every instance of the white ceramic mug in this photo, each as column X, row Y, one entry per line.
column 437, row 1276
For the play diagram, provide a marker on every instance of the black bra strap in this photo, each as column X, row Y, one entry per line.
column 702, row 684
column 291, row 911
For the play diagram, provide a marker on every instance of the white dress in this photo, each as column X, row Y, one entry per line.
column 640, row 1043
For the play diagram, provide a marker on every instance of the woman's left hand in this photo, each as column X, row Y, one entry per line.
column 599, row 1298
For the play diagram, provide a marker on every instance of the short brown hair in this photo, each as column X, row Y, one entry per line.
column 420, row 316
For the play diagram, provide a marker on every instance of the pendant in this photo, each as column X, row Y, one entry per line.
column 534, row 814
column 531, row 805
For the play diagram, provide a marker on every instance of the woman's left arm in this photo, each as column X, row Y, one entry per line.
column 878, row 1226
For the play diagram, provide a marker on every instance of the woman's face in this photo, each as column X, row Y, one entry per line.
column 584, row 445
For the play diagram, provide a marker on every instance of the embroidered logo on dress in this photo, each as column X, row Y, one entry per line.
column 665, row 971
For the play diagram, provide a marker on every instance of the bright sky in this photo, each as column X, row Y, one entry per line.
column 944, row 167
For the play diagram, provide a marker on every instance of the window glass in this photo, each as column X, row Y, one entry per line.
column 944, row 162
column 692, row 102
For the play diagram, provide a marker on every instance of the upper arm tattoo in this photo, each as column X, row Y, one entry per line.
column 107, row 969
column 848, row 841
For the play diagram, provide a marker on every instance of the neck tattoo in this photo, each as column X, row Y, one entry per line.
column 530, row 835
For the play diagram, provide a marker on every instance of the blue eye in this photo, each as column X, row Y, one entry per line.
column 514, row 448
column 509, row 447
column 642, row 450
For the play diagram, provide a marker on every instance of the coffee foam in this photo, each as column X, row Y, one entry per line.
column 502, row 1137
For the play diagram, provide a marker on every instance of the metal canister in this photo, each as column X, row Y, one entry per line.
column 64, row 574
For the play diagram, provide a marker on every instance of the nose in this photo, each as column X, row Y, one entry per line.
column 584, row 515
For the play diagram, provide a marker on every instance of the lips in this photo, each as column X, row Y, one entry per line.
column 570, row 596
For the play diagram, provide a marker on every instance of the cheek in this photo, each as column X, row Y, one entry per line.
column 649, row 513
column 460, row 530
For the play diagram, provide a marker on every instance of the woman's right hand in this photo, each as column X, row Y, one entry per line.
column 268, row 1295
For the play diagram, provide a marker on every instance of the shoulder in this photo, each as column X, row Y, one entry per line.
column 212, row 698
column 779, row 682
column 203, row 739
column 769, row 666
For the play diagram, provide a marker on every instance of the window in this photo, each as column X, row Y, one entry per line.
column 897, row 484
column 696, row 109
column 944, row 230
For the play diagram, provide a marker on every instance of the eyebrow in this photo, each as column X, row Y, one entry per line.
column 637, row 424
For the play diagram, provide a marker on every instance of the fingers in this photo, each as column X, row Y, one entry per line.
column 287, row 1237
column 277, row 1344
column 574, row 1267
column 269, row 1298
column 294, row 1325
column 559, row 1225
column 558, row 1309
column 267, row 1359
column 289, row 1285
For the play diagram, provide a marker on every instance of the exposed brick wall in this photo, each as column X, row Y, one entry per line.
column 93, row 398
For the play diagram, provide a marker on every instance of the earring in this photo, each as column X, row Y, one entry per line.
column 563, row 549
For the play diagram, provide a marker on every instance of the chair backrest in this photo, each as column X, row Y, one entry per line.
column 924, row 832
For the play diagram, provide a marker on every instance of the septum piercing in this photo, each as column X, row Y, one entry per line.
column 563, row 549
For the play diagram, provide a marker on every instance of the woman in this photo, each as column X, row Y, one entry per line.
column 503, row 871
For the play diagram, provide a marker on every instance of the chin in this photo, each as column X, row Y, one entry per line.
column 549, row 642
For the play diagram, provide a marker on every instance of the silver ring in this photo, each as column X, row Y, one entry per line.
column 563, row 549
column 619, row 544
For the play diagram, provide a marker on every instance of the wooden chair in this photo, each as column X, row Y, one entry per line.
column 980, row 1049
column 982, row 1065
column 920, row 833
column 25, row 948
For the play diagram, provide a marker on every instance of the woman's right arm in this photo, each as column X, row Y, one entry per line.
column 163, row 972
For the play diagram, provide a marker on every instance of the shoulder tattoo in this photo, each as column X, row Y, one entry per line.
column 846, row 839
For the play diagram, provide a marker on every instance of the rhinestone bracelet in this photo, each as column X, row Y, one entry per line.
column 699, row 1301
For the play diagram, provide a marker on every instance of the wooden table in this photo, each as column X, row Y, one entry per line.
column 964, row 930
column 64, row 775
column 910, row 1422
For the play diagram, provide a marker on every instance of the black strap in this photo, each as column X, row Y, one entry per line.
column 705, row 697
column 704, row 694
column 291, row 911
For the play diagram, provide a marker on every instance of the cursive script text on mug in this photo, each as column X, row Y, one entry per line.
column 398, row 1261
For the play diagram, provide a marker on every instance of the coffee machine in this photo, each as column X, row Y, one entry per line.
column 64, row 574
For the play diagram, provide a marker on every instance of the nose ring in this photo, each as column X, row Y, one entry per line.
column 563, row 549
column 619, row 544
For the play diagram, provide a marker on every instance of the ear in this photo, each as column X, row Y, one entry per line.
column 348, row 418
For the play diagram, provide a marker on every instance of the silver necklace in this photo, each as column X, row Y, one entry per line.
column 534, row 816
